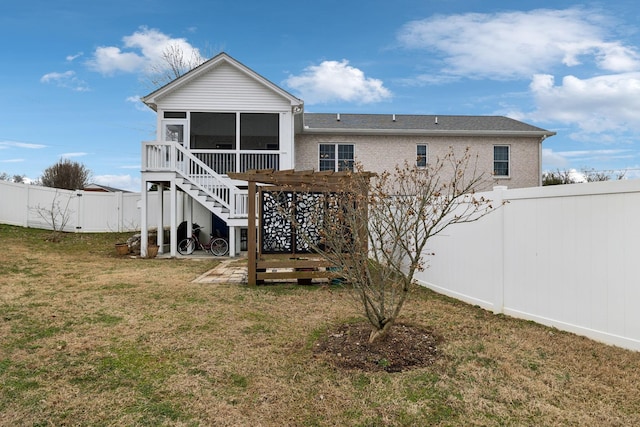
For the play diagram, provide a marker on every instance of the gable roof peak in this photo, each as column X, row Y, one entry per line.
column 210, row 64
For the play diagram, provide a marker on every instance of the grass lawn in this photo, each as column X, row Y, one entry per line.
column 92, row 339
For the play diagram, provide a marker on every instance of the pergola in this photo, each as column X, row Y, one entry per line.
column 263, row 265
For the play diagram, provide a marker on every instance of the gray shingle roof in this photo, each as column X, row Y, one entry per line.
column 385, row 123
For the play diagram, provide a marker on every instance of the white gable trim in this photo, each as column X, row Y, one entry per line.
column 151, row 99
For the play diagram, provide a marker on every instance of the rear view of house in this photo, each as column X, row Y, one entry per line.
column 223, row 117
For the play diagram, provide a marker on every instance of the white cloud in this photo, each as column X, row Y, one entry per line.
column 512, row 45
column 553, row 160
column 67, row 80
column 109, row 59
column 137, row 103
column 561, row 159
column 140, row 50
column 123, row 182
column 596, row 105
column 11, row 160
column 72, row 58
column 76, row 154
column 16, row 144
column 337, row 81
column 576, row 176
column 588, row 155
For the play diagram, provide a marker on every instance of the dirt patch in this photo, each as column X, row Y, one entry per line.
column 406, row 347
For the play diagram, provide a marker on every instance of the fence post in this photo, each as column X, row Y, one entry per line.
column 27, row 189
column 79, row 210
column 119, row 208
column 498, row 293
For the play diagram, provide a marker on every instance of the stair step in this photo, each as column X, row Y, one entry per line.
column 203, row 197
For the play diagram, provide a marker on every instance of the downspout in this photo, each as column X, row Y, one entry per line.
column 540, row 160
column 295, row 110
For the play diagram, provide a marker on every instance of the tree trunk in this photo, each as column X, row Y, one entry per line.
column 380, row 334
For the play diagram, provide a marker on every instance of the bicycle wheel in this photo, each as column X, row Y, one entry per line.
column 219, row 247
column 186, row 246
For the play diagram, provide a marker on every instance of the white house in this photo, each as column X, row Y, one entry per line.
column 224, row 117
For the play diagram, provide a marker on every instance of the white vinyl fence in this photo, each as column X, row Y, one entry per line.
column 566, row 256
column 85, row 211
column 79, row 211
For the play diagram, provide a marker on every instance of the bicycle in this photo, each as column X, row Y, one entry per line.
column 216, row 245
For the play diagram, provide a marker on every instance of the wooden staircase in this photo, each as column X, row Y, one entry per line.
column 216, row 192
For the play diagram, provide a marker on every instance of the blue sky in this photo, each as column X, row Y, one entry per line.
column 73, row 71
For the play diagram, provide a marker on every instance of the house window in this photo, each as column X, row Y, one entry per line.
column 213, row 131
column 501, row 160
column 336, row 157
column 175, row 114
column 173, row 132
column 421, row 155
column 259, row 131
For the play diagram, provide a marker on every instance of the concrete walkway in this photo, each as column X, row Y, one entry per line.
column 230, row 270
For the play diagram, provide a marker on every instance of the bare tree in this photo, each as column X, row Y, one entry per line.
column 66, row 174
column 175, row 62
column 12, row 178
column 375, row 233
column 585, row 175
column 557, row 178
column 56, row 215
column 592, row 175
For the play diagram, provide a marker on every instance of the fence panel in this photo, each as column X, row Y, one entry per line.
column 564, row 256
column 51, row 208
column 99, row 211
column 80, row 211
column 14, row 201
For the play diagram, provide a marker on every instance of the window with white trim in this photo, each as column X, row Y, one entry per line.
column 501, row 158
column 336, row 157
column 422, row 151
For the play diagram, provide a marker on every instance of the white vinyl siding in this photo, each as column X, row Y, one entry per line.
column 224, row 88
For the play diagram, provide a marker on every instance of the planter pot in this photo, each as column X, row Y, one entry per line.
column 122, row 248
column 152, row 251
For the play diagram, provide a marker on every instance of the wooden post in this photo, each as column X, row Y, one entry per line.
column 251, row 235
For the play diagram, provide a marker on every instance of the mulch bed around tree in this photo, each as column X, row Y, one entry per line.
column 406, row 347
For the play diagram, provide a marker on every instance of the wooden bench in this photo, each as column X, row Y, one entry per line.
column 302, row 268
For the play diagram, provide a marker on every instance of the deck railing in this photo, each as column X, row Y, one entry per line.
column 224, row 161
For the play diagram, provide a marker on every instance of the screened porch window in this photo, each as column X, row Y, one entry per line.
column 213, row 131
column 259, row 131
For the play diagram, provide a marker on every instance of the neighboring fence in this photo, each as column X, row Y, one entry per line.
column 82, row 211
column 86, row 211
column 566, row 256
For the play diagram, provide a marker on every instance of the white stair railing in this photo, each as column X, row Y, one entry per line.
column 172, row 156
column 204, row 178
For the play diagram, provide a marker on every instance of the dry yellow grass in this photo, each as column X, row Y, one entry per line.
column 91, row 339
